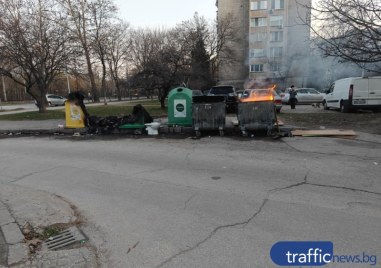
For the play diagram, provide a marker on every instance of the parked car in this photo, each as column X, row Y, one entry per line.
column 256, row 94
column 231, row 99
column 54, row 100
column 304, row 95
column 354, row 93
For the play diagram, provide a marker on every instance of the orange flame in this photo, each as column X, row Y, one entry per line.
column 259, row 95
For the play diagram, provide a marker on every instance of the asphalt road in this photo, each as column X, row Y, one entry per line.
column 214, row 202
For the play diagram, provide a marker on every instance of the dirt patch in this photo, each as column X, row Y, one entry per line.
column 368, row 122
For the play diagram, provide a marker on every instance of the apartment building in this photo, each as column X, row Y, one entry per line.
column 273, row 44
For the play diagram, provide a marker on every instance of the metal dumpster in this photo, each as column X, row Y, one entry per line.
column 208, row 113
column 256, row 111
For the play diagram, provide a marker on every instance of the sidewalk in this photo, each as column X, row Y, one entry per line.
column 30, row 125
column 20, row 206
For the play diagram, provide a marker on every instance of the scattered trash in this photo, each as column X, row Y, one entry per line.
column 322, row 127
column 375, row 163
column 76, row 134
column 106, row 125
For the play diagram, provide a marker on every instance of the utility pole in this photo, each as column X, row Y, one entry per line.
column 68, row 82
column 4, row 90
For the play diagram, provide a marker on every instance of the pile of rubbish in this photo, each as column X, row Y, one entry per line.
column 106, row 125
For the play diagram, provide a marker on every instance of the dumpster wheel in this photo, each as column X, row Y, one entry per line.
column 269, row 132
column 198, row 134
column 222, row 133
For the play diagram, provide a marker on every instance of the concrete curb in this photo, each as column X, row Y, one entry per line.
column 13, row 243
column 14, row 238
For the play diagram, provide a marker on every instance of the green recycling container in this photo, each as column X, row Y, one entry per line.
column 180, row 107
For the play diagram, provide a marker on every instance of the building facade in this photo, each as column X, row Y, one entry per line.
column 273, row 43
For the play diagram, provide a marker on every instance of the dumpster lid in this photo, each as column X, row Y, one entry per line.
column 208, row 99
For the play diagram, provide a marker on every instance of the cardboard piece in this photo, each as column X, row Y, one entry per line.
column 323, row 133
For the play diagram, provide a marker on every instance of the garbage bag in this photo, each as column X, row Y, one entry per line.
column 140, row 112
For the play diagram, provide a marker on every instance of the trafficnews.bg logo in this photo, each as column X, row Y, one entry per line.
column 314, row 254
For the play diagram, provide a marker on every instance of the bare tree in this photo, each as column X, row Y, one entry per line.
column 80, row 26
column 222, row 40
column 162, row 59
column 102, row 15
column 196, row 35
column 118, row 53
column 145, row 45
column 349, row 30
column 33, row 45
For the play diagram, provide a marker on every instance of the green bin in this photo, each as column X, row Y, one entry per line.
column 180, row 107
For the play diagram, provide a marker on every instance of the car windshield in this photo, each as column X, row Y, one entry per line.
column 221, row 90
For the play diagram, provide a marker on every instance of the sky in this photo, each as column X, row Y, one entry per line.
column 154, row 13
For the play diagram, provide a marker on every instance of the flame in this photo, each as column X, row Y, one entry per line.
column 259, row 95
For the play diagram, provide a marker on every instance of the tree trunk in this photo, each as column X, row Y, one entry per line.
column 94, row 90
column 40, row 98
column 162, row 103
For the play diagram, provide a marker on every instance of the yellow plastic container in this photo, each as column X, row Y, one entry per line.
column 75, row 118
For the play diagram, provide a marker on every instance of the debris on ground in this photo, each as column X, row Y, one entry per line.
column 106, row 125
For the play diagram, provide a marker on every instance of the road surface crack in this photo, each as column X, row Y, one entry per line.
column 188, row 200
column 246, row 222
column 344, row 188
column 32, row 173
column 330, row 154
column 304, row 182
column 242, row 223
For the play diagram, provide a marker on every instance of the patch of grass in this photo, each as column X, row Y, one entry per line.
column 51, row 114
column 153, row 108
column 49, row 231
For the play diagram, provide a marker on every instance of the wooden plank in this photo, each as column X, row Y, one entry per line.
column 280, row 123
column 323, row 133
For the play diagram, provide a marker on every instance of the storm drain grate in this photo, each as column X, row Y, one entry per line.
column 65, row 238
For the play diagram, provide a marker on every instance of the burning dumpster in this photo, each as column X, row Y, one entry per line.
column 256, row 111
column 208, row 113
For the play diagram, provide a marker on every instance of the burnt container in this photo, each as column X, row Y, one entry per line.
column 208, row 114
column 256, row 116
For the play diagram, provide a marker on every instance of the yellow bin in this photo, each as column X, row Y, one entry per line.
column 75, row 118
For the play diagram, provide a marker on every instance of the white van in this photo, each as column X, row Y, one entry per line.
column 354, row 93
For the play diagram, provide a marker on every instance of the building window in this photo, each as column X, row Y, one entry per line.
column 256, row 68
column 257, row 53
column 258, row 37
column 276, row 66
column 276, row 21
column 276, row 52
column 259, row 5
column 277, row 4
column 276, row 36
column 258, row 22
